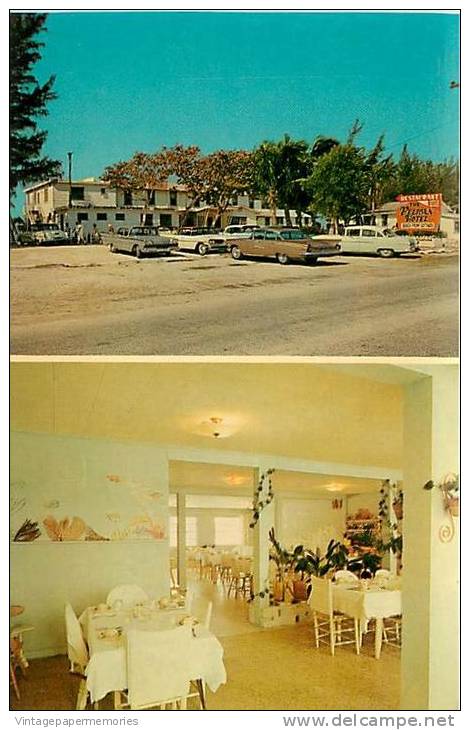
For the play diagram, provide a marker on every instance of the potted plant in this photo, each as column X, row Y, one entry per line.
column 367, row 564
column 450, row 492
column 284, row 561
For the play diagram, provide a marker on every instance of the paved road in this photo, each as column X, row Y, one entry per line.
column 84, row 301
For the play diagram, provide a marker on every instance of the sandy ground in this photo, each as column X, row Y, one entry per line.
column 84, row 300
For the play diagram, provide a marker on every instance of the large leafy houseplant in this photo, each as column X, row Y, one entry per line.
column 314, row 563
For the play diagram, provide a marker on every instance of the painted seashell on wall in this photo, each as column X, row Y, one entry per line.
column 28, row 532
column 64, row 530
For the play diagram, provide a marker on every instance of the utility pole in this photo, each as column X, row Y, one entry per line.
column 69, row 155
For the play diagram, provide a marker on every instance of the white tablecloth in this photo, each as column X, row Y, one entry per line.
column 367, row 604
column 107, row 668
column 374, row 603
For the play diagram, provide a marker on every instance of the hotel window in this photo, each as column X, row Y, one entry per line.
column 279, row 220
column 101, row 216
column 82, row 217
column 251, row 203
column 77, row 193
column 173, row 197
column 165, row 220
column 228, row 530
column 127, row 197
column 46, row 195
column 191, row 531
column 234, row 200
column 151, row 197
column 120, row 216
column 456, row 226
column 103, row 191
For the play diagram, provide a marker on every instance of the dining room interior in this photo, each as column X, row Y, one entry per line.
column 286, row 533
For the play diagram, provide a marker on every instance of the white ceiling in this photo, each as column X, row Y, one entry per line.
column 348, row 413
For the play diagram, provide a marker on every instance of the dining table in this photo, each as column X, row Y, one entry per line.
column 105, row 631
column 366, row 603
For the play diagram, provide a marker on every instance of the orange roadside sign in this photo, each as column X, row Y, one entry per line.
column 419, row 212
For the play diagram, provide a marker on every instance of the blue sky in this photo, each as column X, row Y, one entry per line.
column 137, row 81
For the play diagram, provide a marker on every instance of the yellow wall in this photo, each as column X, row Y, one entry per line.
column 292, row 410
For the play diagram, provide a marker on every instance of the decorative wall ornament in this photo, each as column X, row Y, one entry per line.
column 262, row 495
column 449, row 487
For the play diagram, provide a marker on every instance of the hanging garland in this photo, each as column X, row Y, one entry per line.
column 262, row 495
column 393, row 538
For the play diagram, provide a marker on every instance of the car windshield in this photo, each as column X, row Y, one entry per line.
column 292, row 235
column 388, row 232
column 45, row 227
column 147, row 231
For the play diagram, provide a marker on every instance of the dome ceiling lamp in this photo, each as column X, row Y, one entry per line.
column 216, row 427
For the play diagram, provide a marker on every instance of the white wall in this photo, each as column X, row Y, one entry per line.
column 205, row 522
column 66, row 477
column 368, row 500
column 430, row 654
column 309, row 522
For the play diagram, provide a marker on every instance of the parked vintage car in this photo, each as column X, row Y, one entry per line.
column 45, row 233
column 241, row 231
column 285, row 244
column 200, row 240
column 373, row 240
column 139, row 241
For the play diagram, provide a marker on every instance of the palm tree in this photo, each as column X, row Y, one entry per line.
column 281, row 169
column 266, row 173
column 293, row 167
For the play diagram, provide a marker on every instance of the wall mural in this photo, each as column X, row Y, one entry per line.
column 102, row 507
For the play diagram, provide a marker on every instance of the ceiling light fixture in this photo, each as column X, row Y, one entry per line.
column 335, row 487
column 213, row 427
column 217, row 423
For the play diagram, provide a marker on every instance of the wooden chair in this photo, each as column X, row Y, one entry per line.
column 241, row 581
column 392, row 631
column 331, row 627
column 17, row 656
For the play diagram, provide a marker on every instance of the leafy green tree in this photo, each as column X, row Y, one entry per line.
column 339, row 183
column 214, row 178
column 379, row 169
column 227, row 174
column 280, row 171
column 28, row 100
column 412, row 175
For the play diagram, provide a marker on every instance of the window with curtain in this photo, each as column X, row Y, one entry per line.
column 228, row 530
column 191, row 531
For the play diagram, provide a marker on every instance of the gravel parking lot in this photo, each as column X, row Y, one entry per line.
column 84, row 300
